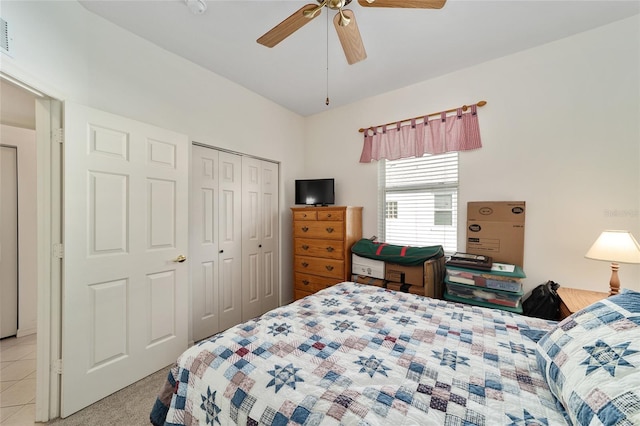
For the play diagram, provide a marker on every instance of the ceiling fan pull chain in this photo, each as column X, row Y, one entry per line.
column 326, row 102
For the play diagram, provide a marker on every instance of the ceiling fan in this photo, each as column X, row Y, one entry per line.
column 344, row 21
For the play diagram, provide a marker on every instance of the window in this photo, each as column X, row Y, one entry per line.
column 419, row 201
column 392, row 210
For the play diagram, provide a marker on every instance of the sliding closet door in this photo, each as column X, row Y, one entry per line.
column 260, row 237
column 203, row 233
column 230, row 239
column 216, row 235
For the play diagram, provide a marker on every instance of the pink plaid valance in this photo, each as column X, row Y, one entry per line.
column 446, row 133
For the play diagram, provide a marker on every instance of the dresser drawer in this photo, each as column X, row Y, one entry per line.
column 331, row 230
column 331, row 249
column 332, row 268
column 313, row 283
column 331, row 215
column 305, row 215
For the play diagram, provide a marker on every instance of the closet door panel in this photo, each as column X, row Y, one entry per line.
column 270, row 233
column 260, row 282
column 253, row 277
column 230, row 246
column 204, row 242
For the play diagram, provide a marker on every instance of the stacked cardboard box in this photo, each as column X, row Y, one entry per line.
column 496, row 229
column 426, row 279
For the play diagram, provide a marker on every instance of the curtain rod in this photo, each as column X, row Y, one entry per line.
column 464, row 108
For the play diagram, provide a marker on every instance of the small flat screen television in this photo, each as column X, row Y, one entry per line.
column 315, row 192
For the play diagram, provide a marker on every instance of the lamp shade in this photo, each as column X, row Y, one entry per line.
column 615, row 246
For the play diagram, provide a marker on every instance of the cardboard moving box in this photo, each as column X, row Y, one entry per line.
column 428, row 277
column 363, row 279
column 413, row 275
column 496, row 229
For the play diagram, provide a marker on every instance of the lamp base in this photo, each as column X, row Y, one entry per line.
column 614, row 282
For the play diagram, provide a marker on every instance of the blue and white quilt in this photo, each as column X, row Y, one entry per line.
column 361, row 355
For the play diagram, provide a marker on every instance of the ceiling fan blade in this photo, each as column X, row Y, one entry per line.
column 349, row 36
column 415, row 4
column 290, row 25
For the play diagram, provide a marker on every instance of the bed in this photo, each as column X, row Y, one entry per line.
column 355, row 354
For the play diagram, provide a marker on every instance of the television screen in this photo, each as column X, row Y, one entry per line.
column 315, row 192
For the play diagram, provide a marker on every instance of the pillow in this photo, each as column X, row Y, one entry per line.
column 591, row 362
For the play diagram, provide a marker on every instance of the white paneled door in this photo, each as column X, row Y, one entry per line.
column 125, row 284
column 260, row 237
column 216, row 235
column 203, row 229
column 230, row 239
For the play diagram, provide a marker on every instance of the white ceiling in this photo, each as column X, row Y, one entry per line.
column 404, row 46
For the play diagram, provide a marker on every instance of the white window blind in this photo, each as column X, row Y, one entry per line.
column 419, row 201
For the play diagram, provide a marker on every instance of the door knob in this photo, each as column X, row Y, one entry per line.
column 180, row 259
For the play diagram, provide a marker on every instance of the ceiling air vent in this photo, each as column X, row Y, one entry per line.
column 5, row 39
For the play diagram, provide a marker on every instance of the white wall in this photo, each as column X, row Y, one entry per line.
column 25, row 142
column 85, row 59
column 560, row 131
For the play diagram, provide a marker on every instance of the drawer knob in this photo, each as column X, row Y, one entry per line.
column 305, row 264
column 330, row 249
column 305, row 229
column 329, row 268
column 305, row 282
column 329, row 215
column 305, row 247
column 329, row 229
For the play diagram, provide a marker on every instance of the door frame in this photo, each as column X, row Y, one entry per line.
column 49, row 231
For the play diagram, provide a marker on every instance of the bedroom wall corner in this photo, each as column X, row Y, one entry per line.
column 559, row 132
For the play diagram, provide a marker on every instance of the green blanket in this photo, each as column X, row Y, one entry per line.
column 403, row 255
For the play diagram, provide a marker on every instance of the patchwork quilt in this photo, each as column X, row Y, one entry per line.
column 361, row 355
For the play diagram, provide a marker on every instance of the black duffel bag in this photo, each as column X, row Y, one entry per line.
column 543, row 302
column 401, row 255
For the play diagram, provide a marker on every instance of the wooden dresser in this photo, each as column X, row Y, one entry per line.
column 322, row 240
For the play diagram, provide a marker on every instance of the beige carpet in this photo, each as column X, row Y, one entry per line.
column 127, row 407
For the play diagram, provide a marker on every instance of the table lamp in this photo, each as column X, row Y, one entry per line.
column 615, row 247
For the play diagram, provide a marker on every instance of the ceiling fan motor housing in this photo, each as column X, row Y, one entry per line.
column 337, row 4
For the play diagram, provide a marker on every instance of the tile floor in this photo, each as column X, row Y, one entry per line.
column 17, row 381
